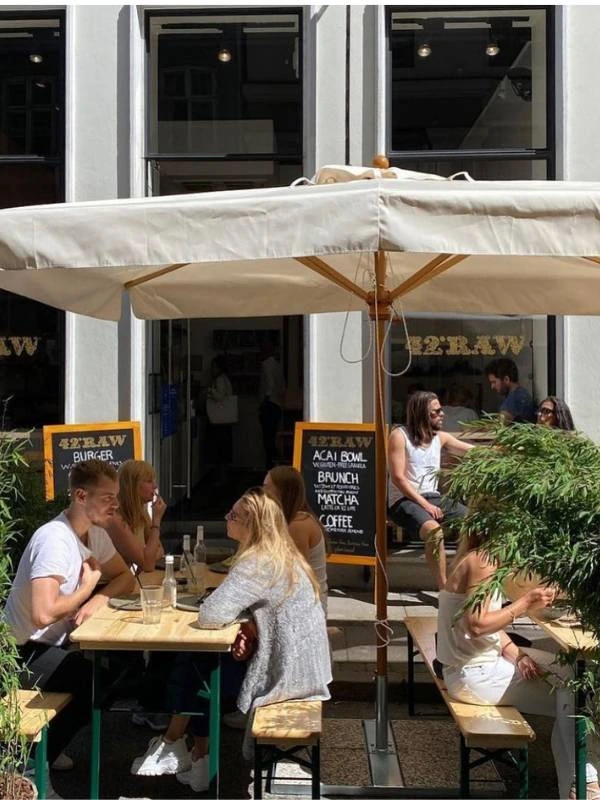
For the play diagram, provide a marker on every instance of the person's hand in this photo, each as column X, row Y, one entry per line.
column 90, row 575
column 540, row 597
column 245, row 642
column 158, row 509
column 528, row 668
column 434, row 511
column 87, row 609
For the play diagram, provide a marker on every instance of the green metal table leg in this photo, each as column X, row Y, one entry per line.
column 214, row 728
column 465, row 769
column 96, row 724
column 523, row 763
column 41, row 759
column 580, row 740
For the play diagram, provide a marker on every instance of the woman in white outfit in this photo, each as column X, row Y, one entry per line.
column 483, row 666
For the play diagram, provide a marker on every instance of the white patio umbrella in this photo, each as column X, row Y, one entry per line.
column 362, row 243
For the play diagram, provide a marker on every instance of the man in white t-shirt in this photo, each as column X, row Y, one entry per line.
column 414, row 457
column 53, row 592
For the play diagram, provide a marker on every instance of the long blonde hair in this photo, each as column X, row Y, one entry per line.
column 269, row 539
column 131, row 507
column 291, row 494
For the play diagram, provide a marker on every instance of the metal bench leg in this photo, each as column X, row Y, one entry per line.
column 316, row 771
column 411, row 676
column 272, row 755
column 465, row 778
column 523, row 763
column 41, row 759
column 257, row 771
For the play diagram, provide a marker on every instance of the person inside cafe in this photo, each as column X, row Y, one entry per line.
column 222, row 415
column 458, row 408
column 68, row 571
column 555, row 413
column 286, row 645
column 135, row 528
column 483, row 666
column 414, row 456
column 517, row 404
column 271, row 397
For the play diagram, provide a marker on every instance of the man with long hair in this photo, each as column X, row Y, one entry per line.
column 414, row 457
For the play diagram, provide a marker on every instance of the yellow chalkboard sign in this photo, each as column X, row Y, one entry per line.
column 67, row 445
column 337, row 462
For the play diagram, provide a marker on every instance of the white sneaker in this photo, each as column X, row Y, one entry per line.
column 63, row 762
column 197, row 777
column 236, row 719
column 163, row 758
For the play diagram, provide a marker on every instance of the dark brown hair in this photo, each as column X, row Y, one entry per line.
column 562, row 413
column 503, row 368
column 418, row 421
column 89, row 474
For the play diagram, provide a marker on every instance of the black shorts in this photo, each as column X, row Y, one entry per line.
column 410, row 515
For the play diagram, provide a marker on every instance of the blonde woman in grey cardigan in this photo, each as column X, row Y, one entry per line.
column 272, row 581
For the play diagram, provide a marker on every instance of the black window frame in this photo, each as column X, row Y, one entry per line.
column 152, row 157
column 55, row 161
column 548, row 153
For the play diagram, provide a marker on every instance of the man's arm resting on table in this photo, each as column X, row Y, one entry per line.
column 397, row 470
column 48, row 605
column 453, row 444
column 120, row 581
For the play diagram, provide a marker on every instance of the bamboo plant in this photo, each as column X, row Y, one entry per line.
column 534, row 498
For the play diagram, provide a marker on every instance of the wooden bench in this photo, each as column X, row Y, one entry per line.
column 37, row 710
column 492, row 731
column 281, row 730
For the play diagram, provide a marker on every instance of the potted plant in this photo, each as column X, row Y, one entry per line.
column 14, row 749
column 535, row 496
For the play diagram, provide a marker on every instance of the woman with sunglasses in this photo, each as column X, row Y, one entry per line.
column 555, row 413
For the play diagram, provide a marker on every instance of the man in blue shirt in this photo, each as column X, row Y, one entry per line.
column 517, row 404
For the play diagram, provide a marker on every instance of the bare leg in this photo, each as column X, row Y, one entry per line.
column 435, row 552
column 177, row 728
column 200, row 748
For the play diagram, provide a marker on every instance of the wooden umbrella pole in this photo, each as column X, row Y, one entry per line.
column 379, row 311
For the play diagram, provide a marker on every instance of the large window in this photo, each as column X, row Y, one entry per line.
column 471, row 89
column 225, row 100
column 31, row 172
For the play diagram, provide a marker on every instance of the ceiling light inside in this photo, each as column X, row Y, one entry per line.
column 492, row 49
column 424, row 50
column 224, row 55
column 36, row 58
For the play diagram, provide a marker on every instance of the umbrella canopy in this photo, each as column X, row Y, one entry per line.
column 530, row 247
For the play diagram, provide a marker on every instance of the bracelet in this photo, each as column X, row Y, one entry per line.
column 157, row 527
column 519, row 657
column 511, row 612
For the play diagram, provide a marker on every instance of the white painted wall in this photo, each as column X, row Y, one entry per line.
column 332, row 386
column 579, row 148
column 98, row 371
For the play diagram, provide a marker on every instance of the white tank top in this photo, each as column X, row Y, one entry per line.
column 422, row 464
column 317, row 560
column 455, row 646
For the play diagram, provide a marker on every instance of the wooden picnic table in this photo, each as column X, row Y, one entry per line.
column 110, row 629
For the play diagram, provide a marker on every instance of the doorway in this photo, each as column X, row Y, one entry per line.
column 200, row 474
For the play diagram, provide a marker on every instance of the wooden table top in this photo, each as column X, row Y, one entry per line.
column 114, row 629
column 566, row 637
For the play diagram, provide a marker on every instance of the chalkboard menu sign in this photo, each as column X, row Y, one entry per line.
column 67, row 445
column 337, row 463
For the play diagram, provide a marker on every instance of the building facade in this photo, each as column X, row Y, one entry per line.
column 119, row 101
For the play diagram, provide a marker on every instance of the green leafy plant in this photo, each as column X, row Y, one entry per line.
column 534, row 499
column 14, row 748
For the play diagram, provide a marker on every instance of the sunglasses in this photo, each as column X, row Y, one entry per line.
column 545, row 412
column 436, row 412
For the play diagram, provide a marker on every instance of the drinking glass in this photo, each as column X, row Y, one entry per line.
column 152, row 597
